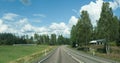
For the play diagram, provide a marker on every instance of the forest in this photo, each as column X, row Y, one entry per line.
column 108, row 28
column 10, row 39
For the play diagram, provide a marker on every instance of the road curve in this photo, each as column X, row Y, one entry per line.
column 66, row 55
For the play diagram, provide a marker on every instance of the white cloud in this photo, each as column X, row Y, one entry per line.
column 12, row 30
column 27, row 28
column 73, row 20
column 3, row 27
column 115, row 4
column 56, row 28
column 66, row 32
column 22, row 26
column 23, row 21
column 59, row 28
column 94, row 10
column 41, row 29
column 9, row 16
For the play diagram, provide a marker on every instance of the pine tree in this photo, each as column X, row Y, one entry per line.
column 107, row 26
column 73, row 36
column 53, row 39
column 84, row 28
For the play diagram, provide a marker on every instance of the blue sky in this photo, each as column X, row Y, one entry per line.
column 48, row 16
column 54, row 10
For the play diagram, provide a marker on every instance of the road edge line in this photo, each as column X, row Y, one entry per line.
column 75, row 58
column 47, row 57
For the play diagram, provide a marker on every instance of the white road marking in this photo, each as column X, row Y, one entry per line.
column 75, row 58
column 46, row 57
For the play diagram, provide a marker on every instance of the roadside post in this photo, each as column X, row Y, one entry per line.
column 45, row 52
column 93, row 52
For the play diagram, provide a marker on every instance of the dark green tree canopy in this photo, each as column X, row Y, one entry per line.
column 107, row 26
column 81, row 32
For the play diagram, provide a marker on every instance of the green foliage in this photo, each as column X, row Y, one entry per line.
column 73, row 36
column 41, row 39
column 9, row 39
column 62, row 40
column 85, row 30
column 112, row 43
column 82, row 31
column 107, row 26
column 118, row 41
column 53, row 39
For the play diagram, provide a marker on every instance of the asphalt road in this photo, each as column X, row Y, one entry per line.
column 66, row 55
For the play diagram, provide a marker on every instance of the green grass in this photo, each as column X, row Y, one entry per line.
column 10, row 53
column 115, row 55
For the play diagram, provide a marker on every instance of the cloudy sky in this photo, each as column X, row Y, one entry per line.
column 48, row 16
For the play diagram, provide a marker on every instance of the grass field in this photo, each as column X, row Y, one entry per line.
column 9, row 53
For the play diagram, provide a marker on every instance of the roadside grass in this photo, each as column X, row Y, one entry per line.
column 114, row 52
column 114, row 55
column 13, row 53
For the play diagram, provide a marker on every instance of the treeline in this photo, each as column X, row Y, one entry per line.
column 10, row 39
column 51, row 40
column 108, row 28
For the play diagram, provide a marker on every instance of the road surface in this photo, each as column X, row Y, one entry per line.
column 66, row 55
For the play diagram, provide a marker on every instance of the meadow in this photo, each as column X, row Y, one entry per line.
column 10, row 53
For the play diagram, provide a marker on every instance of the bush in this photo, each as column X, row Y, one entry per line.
column 101, row 50
column 80, row 48
column 112, row 43
column 118, row 43
column 83, row 48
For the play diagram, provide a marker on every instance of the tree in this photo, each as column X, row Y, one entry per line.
column 82, row 31
column 10, row 39
column 53, row 39
column 47, row 39
column 118, row 41
column 114, row 34
column 73, row 36
column 84, row 28
column 107, row 26
column 36, row 38
column 42, row 39
column 94, row 33
column 60, row 40
column 67, row 41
